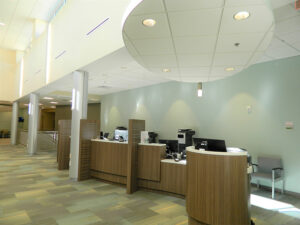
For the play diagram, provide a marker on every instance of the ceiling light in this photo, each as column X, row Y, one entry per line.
column 199, row 90
column 241, row 15
column 149, row 22
column 53, row 107
column 54, row 102
column 2, row 24
column 229, row 69
column 166, row 70
column 48, row 98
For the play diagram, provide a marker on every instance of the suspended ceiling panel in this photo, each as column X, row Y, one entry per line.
column 194, row 40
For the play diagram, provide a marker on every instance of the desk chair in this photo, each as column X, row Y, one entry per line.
column 269, row 169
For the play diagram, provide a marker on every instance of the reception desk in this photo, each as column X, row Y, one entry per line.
column 218, row 188
column 109, row 160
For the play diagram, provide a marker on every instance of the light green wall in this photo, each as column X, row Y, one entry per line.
column 272, row 89
column 5, row 120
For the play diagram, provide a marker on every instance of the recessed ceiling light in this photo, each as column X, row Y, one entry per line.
column 149, row 22
column 241, row 15
column 54, row 102
column 53, row 107
column 48, row 98
column 2, row 24
column 229, row 69
column 166, row 70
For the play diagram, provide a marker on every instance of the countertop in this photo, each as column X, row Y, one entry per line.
column 108, row 141
column 153, row 144
column 200, row 151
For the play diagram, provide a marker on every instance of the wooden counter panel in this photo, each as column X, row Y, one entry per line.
column 149, row 158
column 217, row 189
column 63, row 145
column 109, row 158
column 108, row 177
column 173, row 179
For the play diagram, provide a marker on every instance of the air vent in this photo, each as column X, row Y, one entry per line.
column 104, row 87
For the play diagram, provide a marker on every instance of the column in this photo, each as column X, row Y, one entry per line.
column 79, row 111
column 14, row 123
column 33, row 112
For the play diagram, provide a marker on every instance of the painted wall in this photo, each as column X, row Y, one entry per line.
column 271, row 89
column 5, row 120
column 7, row 75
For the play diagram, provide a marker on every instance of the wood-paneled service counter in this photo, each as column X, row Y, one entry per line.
column 109, row 160
column 217, row 188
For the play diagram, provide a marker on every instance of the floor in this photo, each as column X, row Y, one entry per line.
column 33, row 191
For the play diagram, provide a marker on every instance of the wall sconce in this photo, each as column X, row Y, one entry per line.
column 200, row 89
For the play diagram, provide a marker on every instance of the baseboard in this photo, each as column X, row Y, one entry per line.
column 277, row 190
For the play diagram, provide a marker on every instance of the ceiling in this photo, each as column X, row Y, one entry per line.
column 19, row 16
column 195, row 40
column 113, row 73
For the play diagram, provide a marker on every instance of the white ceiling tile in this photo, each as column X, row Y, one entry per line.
column 231, row 3
column 248, row 42
column 161, row 61
column 192, row 4
column 291, row 37
column 264, row 58
column 281, row 52
column 180, row 22
column 287, row 26
column 280, row 3
column 149, row 7
column 196, row 80
column 255, row 58
column 266, row 42
column 201, row 44
column 285, row 12
column 190, row 60
column 154, row 46
column 221, row 71
column 194, row 71
column 211, row 78
column 297, row 45
column 260, row 20
column 136, row 30
column 228, row 59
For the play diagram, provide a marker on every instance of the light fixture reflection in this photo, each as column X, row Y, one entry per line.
column 199, row 90
column 241, row 15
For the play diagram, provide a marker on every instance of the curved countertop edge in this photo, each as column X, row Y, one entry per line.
column 152, row 144
column 192, row 149
column 181, row 162
column 107, row 141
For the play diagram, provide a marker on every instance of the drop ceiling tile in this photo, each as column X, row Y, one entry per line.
column 266, row 42
column 285, row 12
column 257, row 22
column 212, row 78
column 190, row 45
column 231, row 3
column 297, row 45
column 280, row 3
column 160, row 61
column 154, row 46
column 131, row 48
column 248, row 42
column 264, row 58
column 291, row 37
column 196, row 80
column 146, row 7
column 180, row 22
column 227, row 59
column 192, row 4
column 194, row 60
column 281, row 52
column 287, row 26
column 255, row 58
column 194, row 71
column 136, row 30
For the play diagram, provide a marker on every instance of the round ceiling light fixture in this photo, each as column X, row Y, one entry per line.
column 241, row 15
column 166, row 70
column 229, row 69
column 149, row 22
column 2, row 24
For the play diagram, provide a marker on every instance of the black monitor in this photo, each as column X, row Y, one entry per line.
column 210, row 144
column 171, row 145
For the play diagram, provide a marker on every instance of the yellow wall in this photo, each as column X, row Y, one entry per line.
column 7, row 75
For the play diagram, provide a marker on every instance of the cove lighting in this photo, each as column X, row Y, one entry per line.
column 229, row 69
column 199, row 90
column 241, row 15
column 149, row 22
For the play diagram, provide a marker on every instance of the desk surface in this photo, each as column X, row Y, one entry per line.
column 181, row 162
column 108, row 141
column 152, row 144
column 201, row 151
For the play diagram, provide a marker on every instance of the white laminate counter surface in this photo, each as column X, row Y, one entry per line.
column 107, row 141
column 182, row 162
column 200, row 151
column 153, row 144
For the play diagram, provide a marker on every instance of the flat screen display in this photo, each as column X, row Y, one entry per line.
column 210, row 144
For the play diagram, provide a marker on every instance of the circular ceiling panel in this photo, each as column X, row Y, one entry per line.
column 198, row 40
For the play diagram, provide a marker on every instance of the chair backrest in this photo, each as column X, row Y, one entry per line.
column 266, row 164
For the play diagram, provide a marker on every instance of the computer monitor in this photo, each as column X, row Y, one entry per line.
column 123, row 133
column 210, row 144
column 171, row 145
